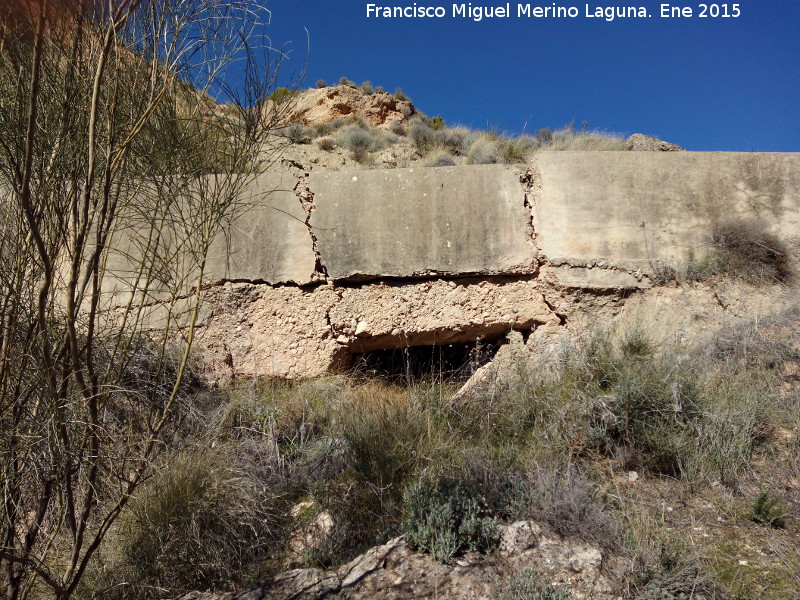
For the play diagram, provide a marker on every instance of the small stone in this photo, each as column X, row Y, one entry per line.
column 518, row 537
column 342, row 339
column 362, row 329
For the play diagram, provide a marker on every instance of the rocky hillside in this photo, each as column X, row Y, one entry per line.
column 345, row 126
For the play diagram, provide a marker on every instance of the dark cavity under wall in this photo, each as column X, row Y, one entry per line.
column 446, row 362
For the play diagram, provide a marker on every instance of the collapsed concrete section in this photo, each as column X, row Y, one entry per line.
column 330, row 265
column 256, row 330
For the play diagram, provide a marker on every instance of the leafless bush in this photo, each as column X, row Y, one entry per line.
column 109, row 137
column 744, row 249
column 568, row 504
column 327, row 144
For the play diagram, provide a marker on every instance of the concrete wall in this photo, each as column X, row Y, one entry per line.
column 269, row 241
column 467, row 253
column 643, row 206
column 627, row 209
column 407, row 222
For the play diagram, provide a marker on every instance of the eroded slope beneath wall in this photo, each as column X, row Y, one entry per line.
column 260, row 330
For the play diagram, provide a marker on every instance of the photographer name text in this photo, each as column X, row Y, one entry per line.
column 508, row 10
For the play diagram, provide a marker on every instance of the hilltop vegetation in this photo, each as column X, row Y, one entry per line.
column 362, row 126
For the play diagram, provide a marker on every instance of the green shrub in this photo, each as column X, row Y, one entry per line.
column 389, row 436
column 436, row 122
column 362, row 514
column 660, row 564
column 346, row 81
column 732, row 426
column 644, row 404
column 484, row 150
column 321, row 83
column 367, row 89
column 399, row 95
column 768, row 509
column 205, row 521
column 282, row 94
column 527, row 585
column 359, row 141
column 439, row 158
column 445, row 518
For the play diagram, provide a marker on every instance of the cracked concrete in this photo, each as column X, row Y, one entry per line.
column 268, row 241
column 306, row 198
column 326, row 265
column 450, row 221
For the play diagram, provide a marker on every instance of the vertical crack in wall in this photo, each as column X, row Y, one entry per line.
column 306, row 198
column 531, row 179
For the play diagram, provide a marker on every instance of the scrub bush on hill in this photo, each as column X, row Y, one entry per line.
column 359, row 141
column 399, row 95
column 445, row 518
column 282, row 94
column 744, row 249
column 439, row 158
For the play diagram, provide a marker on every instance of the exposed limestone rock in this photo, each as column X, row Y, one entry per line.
column 518, row 537
column 647, row 143
column 396, row 572
column 314, row 526
column 361, row 566
column 511, row 360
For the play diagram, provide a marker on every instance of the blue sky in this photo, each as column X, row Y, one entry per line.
column 704, row 83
